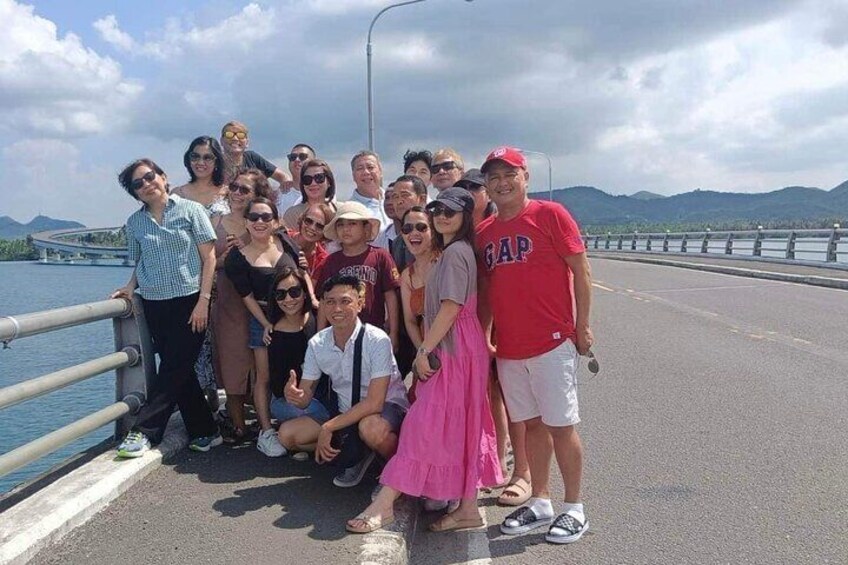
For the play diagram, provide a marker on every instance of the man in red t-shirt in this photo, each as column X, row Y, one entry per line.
column 531, row 254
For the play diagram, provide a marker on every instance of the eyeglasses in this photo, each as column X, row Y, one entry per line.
column 443, row 211
column 307, row 221
column 256, row 216
column 297, row 157
column 420, row 227
column 294, row 292
column 140, row 181
column 317, row 178
column 206, row 157
column 444, row 166
column 237, row 134
column 240, row 188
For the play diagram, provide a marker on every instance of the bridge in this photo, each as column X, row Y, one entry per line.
column 56, row 247
column 714, row 433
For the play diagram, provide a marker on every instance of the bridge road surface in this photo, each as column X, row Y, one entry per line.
column 715, row 433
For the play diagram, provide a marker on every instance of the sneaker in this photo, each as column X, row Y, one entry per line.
column 566, row 529
column 523, row 520
column 205, row 443
column 302, row 456
column 269, row 444
column 135, row 444
column 352, row 476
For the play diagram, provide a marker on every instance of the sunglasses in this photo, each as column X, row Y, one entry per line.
column 443, row 211
column 294, row 292
column 256, row 216
column 139, row 182
column 593, row 366
column 317, row 178
column 420, row 227
column 240, row 188
column 445, row 166
column 297, row 157
column 307, row 221
column 206, row 158
column 237, row 134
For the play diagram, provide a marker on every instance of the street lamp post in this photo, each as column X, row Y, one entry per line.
column 550, row 171
column 368, row 57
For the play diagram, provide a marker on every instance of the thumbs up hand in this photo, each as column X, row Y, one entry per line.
column 294, row 394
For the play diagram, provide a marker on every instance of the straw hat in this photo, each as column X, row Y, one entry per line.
column 352, row 211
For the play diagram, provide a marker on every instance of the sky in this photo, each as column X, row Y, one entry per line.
column 624, row 95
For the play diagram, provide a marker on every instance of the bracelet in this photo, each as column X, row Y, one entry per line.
column 423, row 351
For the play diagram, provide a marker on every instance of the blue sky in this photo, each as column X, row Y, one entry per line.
column 659, row 95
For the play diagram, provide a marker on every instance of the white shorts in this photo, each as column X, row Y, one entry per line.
column 542, row 386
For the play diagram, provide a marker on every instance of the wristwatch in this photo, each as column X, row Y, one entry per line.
column 423, row 351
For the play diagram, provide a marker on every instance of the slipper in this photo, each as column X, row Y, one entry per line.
column 520, row 491
column 449, row 522
column 372, row 523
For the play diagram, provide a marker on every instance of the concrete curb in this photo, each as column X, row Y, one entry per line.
column 813, row 280
column 392, row 545
column 69, row 502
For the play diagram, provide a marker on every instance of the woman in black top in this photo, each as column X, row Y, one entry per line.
column 252, row 269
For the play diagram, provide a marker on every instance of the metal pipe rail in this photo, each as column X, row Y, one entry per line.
column 14, row 327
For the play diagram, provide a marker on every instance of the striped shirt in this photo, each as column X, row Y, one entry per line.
column 167, row 260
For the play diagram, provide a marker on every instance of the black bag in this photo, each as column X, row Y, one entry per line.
column 347, row 440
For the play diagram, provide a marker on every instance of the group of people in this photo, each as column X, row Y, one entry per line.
column 424, row 335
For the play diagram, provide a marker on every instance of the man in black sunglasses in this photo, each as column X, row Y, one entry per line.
column 447, row 168
column 474, row 182
column 289, row 194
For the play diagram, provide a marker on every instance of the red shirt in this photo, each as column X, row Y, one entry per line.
column 376, row 267
column 528, row 280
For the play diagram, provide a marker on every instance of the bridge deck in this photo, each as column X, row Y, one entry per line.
column 716, row 432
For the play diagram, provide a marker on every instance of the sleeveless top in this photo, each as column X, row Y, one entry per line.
column 416, row 298
column 286, row 353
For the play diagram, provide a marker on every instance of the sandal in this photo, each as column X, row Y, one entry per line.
column 370, row 523
column 450, row 523
column 516, row 493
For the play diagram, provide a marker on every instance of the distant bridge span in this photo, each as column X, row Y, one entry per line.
column 53, row 241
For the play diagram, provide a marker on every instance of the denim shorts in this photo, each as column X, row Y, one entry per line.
column 283, row 411
column 255, row 335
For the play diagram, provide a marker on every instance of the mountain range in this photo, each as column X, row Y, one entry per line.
column 12, row 229
column 593, row 207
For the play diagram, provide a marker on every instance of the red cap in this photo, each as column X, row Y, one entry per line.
column 509, row 155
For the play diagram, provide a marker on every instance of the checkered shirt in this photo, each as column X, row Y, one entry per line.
column 167, row 259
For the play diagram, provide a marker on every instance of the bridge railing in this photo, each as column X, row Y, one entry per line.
column 133, row 362
column 812, row 245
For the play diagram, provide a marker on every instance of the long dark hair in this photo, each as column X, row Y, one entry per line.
column 465, row 233
column 274, row 311
column 125, row 176
column 331, row 180
column 215, row 148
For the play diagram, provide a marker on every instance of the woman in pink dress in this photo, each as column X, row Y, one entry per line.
column 447, row 447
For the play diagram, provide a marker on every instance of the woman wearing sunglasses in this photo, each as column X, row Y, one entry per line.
column 447, row 446
column 172, row 243
column 310, row 236
column 317, row 186
column 204, row 161
column 233, row 359
column 252, row 269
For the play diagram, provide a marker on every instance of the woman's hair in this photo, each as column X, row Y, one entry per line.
column 411, row 156
column 261, row 186
column 419, row 209
column 331, row 180
column 466, row 231
column 215, row 148
column 274, row 311
column 125, row 176
column 262, row 200
column 324, row 209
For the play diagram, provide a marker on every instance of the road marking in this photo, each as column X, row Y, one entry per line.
column 711, row 288
column 602, row 287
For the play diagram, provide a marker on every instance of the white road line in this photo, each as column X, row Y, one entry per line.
column 602, row 287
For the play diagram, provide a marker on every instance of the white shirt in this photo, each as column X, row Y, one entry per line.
column 385, row 237
column 286, row 200
column 323, row 356
column 375, row 206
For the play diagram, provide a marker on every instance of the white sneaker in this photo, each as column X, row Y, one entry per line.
column 269, row 444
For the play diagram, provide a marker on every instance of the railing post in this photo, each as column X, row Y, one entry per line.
column 728, row 246
column 665, row 242
column 607, row 242
column 705, row 243
column 758, row 242
column 132, row 331
column 648, row 243
column 684, row 243
column 790, row 245
column 832, row 244
column 633, row 241
column 621, row 242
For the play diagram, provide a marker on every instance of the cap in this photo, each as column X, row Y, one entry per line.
column 472, row 179
column 352, row 210
column 509, row 155
column 455, row 198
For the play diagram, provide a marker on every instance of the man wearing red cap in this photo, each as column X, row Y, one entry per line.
column 530, row 255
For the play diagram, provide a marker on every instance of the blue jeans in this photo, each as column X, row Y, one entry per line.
column 282, row 410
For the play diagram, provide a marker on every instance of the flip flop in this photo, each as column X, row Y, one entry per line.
column 450, row 523
column 372, row 523
column 520, row 490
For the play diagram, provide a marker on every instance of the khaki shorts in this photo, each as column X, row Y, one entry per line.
column 542, row 386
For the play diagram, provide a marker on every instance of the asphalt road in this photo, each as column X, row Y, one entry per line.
column 717, row 432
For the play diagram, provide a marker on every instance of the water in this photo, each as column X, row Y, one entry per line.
column 29, row 287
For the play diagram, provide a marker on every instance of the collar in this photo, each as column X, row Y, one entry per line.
column 353, row 335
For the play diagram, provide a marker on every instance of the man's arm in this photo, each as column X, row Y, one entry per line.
column 393, row 311
column 579, row 265
column 280, row 175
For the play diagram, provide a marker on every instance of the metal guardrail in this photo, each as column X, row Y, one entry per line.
column 132, row 361
column 813, row 245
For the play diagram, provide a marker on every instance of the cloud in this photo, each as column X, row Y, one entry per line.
column 54, row 85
